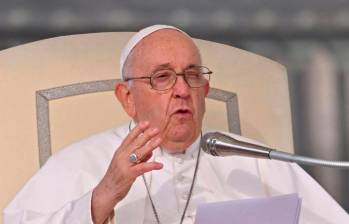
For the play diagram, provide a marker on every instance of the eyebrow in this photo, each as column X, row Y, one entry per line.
column 162, row 66
column 168, row 65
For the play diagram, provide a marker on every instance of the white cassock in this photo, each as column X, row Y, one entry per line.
column 61, row 191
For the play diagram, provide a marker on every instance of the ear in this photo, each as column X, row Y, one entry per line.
column 125, row 98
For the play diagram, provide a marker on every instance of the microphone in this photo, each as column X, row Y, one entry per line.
column 218, row 144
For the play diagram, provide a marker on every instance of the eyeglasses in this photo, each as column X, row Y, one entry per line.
column 164, row 79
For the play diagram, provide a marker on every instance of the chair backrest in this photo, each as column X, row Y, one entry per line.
column 71, row 79
column 43, row 97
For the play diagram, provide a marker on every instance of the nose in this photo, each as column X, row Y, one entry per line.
column 181, row 88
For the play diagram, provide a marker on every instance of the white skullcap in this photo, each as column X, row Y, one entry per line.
column 135, row 39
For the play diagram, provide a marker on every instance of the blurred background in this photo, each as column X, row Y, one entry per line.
column 309, row 37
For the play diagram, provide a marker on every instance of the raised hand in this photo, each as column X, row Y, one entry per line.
column 122, row 172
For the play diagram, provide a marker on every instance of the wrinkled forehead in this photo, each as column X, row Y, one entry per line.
column 147, row 36
column 163, row 49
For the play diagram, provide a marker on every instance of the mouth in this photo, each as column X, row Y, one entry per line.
column 183, row 113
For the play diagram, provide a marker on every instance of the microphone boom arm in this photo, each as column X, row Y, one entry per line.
column 218, row 144
column 288, row 157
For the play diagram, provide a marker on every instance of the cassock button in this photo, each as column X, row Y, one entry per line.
column 180, row 178
column 185, row 196
column 180, row 160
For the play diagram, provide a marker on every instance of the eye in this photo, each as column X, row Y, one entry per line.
column 193, row 73
column 162, row 76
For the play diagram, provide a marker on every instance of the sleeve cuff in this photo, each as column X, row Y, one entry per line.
column 81, row 210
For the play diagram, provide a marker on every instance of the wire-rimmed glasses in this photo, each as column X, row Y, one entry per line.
column 164, row 79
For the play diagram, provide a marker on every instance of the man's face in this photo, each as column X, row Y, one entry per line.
column 179, row 111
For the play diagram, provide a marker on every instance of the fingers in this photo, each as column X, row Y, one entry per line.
column 139, row 136
column 135, row 132
column 122, row 172
column 147, row 135
column 141, row 141
column 144, row 152
column 146, row 157
column 142, row 168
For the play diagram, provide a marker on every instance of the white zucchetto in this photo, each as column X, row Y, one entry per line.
column 135, row 39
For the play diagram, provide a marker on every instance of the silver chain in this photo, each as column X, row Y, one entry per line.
column 190, row 191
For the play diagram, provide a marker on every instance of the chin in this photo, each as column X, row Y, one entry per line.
column 182, row 132
column 179, row 138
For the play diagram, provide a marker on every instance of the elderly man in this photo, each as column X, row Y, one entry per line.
column 152, row 170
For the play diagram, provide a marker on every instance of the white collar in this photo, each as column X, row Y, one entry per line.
column 190, row 152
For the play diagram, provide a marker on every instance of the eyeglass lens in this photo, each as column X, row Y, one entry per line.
column 195, row 77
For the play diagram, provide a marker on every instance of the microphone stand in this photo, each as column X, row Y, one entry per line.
column 218, row 144
column 288, row 157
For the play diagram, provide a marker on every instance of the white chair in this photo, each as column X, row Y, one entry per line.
column 56, row 91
